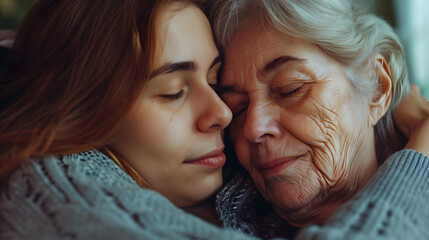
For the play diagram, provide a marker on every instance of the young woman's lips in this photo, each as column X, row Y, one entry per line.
column 276, row 166
column 214, row 159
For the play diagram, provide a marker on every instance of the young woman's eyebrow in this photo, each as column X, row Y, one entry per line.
column 181, row 66
column 175, row 66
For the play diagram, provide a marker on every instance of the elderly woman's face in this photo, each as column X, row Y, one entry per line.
column 299, row 127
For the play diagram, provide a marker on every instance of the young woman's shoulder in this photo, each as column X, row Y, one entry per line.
column 58, row 171
column 71, row 195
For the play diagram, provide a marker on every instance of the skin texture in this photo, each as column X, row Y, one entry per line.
column 299, row 128
column 179, row 117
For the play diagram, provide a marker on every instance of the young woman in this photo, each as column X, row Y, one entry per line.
column 105, row 81
column 108, row 104
column 104, row 95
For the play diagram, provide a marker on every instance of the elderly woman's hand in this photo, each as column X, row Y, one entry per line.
column 412, row 118
column 419, row 139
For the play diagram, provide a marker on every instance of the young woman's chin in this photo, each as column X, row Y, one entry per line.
column 197, row 192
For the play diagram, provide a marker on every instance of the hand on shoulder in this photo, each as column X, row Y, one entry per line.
column 412, row 119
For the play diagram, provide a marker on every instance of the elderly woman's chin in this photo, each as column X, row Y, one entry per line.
column 309, row 193
column 304, row 208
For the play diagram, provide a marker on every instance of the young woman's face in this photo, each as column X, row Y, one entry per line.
column 173, row 136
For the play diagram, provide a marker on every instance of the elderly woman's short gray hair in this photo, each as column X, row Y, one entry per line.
column 349, row 36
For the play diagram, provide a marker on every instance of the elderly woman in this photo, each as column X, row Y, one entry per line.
column 312, row 86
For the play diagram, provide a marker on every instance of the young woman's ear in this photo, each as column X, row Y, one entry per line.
column 380, row 102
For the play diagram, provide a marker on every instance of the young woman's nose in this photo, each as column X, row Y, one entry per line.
column 260, row 122
column 215, row 113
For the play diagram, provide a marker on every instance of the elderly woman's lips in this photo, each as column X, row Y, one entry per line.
column 275, row 166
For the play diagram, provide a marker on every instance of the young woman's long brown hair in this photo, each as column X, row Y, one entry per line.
column 80, row 66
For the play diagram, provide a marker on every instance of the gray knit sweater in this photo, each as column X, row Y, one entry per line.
column 86, row 196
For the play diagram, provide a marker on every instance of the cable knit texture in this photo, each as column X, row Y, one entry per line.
column 242, row 208
column 86, row 196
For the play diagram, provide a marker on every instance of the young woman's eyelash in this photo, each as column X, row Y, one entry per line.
column 173, row 97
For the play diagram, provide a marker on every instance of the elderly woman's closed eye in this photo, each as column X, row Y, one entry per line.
column 311, row 86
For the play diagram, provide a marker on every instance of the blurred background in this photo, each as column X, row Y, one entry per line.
column 12, row 11
column 409, row 18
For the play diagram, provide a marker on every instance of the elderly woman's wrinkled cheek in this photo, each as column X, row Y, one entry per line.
column 342, row 136
column 322, row 130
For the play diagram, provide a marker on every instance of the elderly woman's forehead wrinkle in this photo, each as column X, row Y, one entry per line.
column 249, row 55
column 249, row 49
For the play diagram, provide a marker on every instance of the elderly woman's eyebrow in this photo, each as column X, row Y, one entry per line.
column 277, row 62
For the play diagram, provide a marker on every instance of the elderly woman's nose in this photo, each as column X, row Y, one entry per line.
column 260, row 123
column 215, row 113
